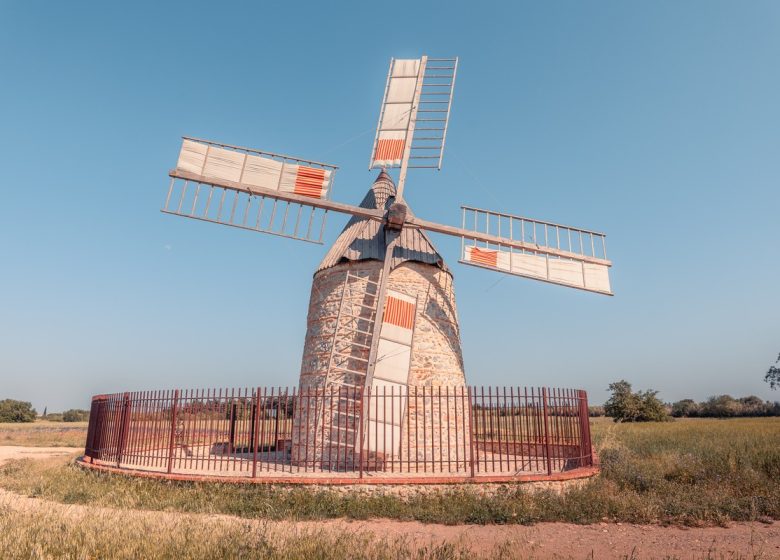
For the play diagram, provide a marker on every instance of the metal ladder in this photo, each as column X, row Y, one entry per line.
column 349, row 354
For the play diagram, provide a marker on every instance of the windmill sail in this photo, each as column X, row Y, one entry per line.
column 391, row 373
column 255, row 190
column 418, row 96
column 534, row 249
column 253, row 170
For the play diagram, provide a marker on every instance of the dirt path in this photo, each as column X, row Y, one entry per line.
column 544, row 540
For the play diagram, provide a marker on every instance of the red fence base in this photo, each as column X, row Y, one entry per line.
column 343, row 436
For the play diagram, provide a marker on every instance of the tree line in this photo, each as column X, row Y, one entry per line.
column 22, row 411
column 627, row 405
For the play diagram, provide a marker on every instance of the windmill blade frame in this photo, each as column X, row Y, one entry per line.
column 532, row 259
column 278, row 191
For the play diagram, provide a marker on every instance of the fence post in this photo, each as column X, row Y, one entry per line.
column 90, row 447
column 471, row 433
column 586, row 448
column 97, row 438
column 255, row 420
column 172, row 440
column 232, row 434
column 276, row 424
column 546, row 431
column 124, row 421
column 365, row 398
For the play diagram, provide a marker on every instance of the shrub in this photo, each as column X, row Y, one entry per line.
column 595, row 411
column 16, row 411
column 721, row 406
column 685, row 408
column 75, row 415
column 627, row 406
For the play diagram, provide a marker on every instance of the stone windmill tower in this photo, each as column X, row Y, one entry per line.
column 382, row 322
column 416, row 349
column 342, row 301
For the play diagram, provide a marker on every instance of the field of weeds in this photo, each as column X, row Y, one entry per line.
column 43, row 433
column 120, row 534
column 693, row 473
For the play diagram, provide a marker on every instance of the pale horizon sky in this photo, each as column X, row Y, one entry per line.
column 657, row 123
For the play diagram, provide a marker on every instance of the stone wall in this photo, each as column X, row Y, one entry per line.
column 433, row 427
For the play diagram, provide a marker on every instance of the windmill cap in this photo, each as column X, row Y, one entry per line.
column 364, row 239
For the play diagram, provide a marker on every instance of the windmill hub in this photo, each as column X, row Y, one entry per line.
column 396, row 216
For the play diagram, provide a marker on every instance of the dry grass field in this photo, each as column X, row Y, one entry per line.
column 687, row 473
column 42, row 433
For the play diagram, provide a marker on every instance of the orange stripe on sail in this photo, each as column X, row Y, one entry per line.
column 488, row 257
column 309, row 181
column 389, row 149
column 399, row 313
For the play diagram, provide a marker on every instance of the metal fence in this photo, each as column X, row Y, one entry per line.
column 464, row 432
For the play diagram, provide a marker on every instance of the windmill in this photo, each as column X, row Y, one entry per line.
column 382, row 312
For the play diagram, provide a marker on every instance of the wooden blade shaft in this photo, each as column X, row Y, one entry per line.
column 285, row 196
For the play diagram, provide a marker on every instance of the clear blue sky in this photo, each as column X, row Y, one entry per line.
column 656, row 122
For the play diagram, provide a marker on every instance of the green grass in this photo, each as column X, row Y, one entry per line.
column 690, row 472
column 43, row 433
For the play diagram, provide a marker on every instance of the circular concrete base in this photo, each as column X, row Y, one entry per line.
column 403, row 485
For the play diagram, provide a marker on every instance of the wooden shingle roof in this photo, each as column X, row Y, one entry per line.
column 363, row 239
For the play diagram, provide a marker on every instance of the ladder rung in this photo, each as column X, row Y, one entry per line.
column 332, row 427
column 352, row 371
column 349, row 357
column 363, row 278
column 363, row 305
column 359, row 344
column 342, row 384
column 353, row 413
column 358, row 319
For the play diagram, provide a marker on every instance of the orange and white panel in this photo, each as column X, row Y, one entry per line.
column 578, row 274
column 305, row 181
column 253, row 171
column 389, row 148
column 492, row 258
column 398, row 317
column 391, row 139
column 391, row 374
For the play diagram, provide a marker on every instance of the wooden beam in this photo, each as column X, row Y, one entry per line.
column 286, row 196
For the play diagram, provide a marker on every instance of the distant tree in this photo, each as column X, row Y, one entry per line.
column 685, row 408
column 627, row 406
column 773, row 375
column 753, row 406
column 721, row 406
column 75, row 415
column 16, row 411
column 595, row 411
